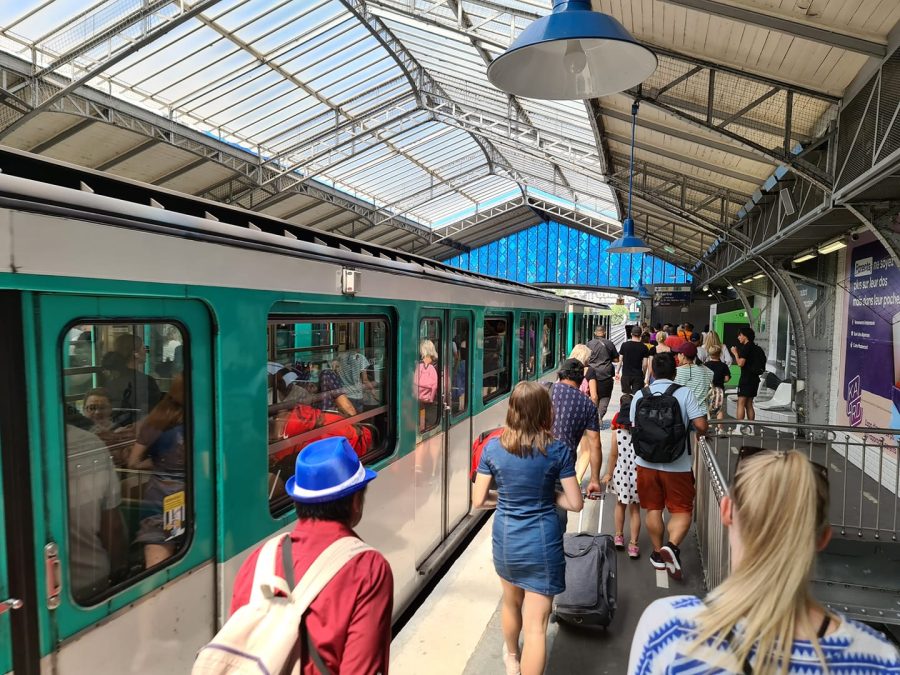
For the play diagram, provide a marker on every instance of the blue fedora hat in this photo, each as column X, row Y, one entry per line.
column 327, row 470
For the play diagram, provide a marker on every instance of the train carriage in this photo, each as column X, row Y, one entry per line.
column 165, row 358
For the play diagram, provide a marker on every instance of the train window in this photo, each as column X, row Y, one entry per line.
column 496, row 365
column 459, row 367
column 527, row 338
column 126, row 409
column 327, row 377
column 577, row 330
column 548, row 342
column 428, row 375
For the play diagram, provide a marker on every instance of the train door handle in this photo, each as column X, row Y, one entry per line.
column 53, row 574
column 10, row 604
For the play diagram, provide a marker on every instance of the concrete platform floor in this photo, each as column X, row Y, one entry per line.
column 457, row 628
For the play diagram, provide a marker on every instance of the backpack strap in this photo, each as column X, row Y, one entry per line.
column 646, row 393
column 671, row 389
column 326, row 566
column 265, row 579
column 287, row 563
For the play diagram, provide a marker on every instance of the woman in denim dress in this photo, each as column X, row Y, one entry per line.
column 526, row 464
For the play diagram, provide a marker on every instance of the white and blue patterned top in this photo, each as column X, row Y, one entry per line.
column 667, row 629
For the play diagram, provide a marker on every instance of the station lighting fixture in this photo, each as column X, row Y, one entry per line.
column 730, row 287
column 803, row 257
column 748, row 280
column 572, row 54
column 668, row 248
column 759, row 276
column 628, row 242
column 832, row 246
column 705, row 287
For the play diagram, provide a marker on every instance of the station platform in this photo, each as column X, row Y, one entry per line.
column 456, row 630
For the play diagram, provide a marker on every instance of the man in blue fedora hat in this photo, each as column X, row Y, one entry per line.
column 349, row 623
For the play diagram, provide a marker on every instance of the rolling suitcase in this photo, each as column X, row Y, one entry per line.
column 590, row 595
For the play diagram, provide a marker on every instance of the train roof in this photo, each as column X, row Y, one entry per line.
column 30, row 182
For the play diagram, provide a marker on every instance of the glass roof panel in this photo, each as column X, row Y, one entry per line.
column 310, row 88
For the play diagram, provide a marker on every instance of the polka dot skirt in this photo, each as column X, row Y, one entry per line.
column 624, row 479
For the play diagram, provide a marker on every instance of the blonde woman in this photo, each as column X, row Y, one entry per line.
column 711, row 340
column 589, row 384
column 526, row 462
column 763, row 619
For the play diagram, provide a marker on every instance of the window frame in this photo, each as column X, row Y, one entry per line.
column 389, row 442
column 552, row 347
column 189, row 474
column 509, row 318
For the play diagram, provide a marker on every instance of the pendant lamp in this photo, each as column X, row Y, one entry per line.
column 628, row 242
column 641, row 291
column 573, row 53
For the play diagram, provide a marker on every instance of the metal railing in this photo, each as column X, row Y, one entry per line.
column 711, row 534
column 859, row 572
column 861, row 463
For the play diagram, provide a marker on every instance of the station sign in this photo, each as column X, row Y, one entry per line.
column 668, row 296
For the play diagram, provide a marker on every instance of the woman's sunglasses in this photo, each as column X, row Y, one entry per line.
column 750, row 450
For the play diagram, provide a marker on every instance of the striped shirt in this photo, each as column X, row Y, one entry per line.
column 697, row 379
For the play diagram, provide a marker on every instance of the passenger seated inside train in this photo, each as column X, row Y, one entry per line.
column 295, row 422
column 160, row 449
column 132, row 391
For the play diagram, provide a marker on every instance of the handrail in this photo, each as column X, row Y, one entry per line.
column 805, row 427
column 715, row 555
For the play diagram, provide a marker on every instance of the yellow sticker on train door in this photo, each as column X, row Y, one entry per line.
column 174, row 514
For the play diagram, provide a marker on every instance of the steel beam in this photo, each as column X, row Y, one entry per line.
column 826, row 36
column 55, row 139
column 128, row 154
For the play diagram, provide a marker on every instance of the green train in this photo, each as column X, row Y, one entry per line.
column 164, row 358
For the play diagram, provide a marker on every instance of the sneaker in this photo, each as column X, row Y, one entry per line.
column 657, row 561
column 671, row 555
column 511, row 662
column 634, row 552
column 619, row 541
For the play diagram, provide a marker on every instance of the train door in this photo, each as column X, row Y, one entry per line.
column 458, row 418
column 8, row 604
column 121, row 419
column 443, row 437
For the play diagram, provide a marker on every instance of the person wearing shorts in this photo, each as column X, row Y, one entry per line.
column 668, row 486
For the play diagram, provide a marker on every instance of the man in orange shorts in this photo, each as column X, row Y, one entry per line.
column 668, row 485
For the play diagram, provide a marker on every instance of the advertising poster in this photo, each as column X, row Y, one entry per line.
column 870, row 393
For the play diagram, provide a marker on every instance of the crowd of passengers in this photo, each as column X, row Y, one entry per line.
column 762, row 619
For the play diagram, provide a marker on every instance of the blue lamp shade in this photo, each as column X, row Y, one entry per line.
column 572, row 54
column 628, row 243
column 641, row 291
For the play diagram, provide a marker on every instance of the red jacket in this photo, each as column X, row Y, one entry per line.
column 350, row 620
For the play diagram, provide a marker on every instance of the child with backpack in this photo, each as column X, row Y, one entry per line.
column 621, row 477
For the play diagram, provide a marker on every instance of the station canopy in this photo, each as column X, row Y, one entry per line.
column 376, row 120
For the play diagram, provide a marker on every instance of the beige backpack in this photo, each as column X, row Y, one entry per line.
column 262, row 636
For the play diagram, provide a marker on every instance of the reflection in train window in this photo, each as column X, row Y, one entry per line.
column 459, row 367
column 527, row 338
column 496, row 365
column 427, row 378
column 126, row 409
column 548, row 337
column 326, row 377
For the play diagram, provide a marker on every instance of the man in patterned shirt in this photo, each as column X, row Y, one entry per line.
column 574, row 415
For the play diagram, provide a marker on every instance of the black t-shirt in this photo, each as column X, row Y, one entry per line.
column 633, row 355
column 720, row 372
column 754, row 360
column 603, row 352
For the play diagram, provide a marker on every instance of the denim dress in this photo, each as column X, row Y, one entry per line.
column 527, row 538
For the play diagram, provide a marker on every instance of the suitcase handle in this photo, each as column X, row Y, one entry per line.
column 594, row 497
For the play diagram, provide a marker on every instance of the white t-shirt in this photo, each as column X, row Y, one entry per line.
column 667, row 630
column 93, row 489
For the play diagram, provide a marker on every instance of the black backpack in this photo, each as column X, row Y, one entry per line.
column 658, row 431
